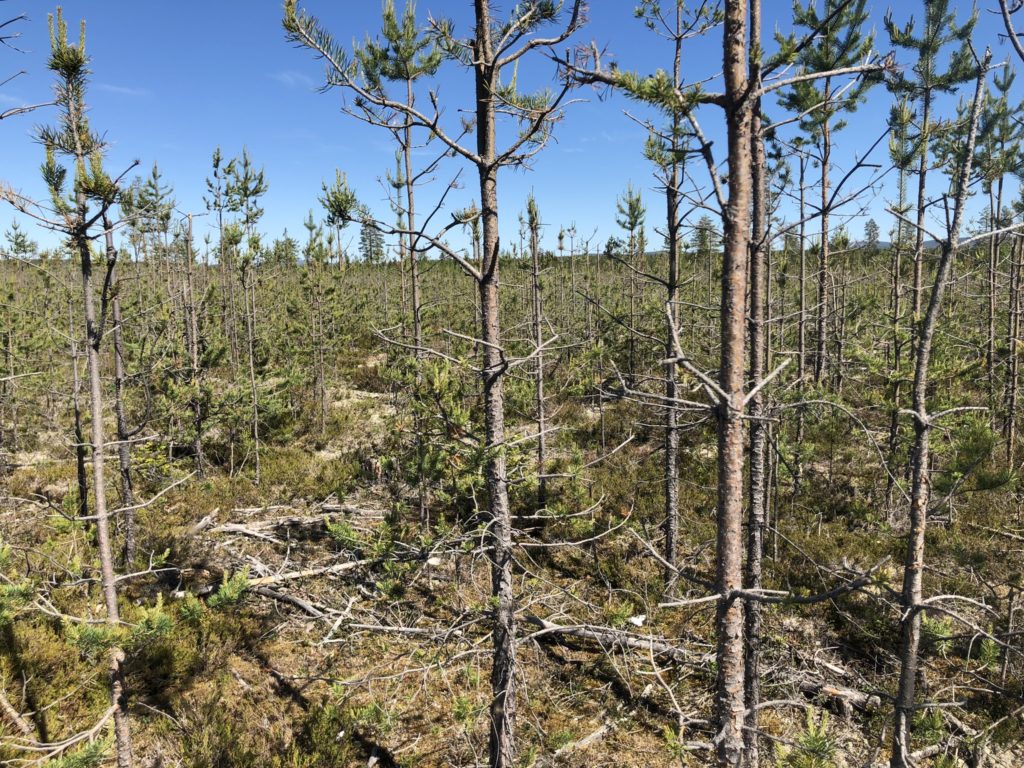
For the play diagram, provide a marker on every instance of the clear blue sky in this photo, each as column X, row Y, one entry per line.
column 173, row 80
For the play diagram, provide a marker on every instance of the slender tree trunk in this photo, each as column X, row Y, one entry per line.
column 922, row 172
column 821, row 354
column 538, row 371
column 417, row 303
column 321, row 366
column 1013, row 336
column 672, row 226
column 758, row 427
column 108, row 580
column 502, row 744
column 10, row 393
column 913, row 572
column 410, row 197
column 896, row 345
column 631, row 338
column 801, row 354
column 995, row 203
column 729, row 624
column 249, row 294
column 124, row 453
column 574, row 305
column 195, row 372
column 81, row 458
column 839, row 292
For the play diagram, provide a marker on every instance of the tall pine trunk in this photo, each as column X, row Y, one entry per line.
column 758, row 426
column 502, row 744
column 729, row 621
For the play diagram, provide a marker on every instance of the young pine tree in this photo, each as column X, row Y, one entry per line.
column 80, row 209
column 494, row 48
column 839, row 41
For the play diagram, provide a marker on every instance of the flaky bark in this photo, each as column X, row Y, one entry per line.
column 502, row 746
column 729, row 625
column 758, row 426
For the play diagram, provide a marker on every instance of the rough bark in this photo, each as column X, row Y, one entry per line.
column 729, row 694
column 758, row 427
column 502, row 746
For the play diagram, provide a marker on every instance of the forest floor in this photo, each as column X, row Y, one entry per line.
column 328, row 631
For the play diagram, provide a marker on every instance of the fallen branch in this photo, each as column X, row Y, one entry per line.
column 302, row 605
column 12, row 714
column 585, row 742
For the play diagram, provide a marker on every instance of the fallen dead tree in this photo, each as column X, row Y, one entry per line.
column 280, row 578
column 306, row 573
column 844, row 698
column 327, row 511
column 261, row 529
column 609, row 639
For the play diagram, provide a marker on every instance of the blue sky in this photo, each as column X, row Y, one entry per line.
column 173, row 80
